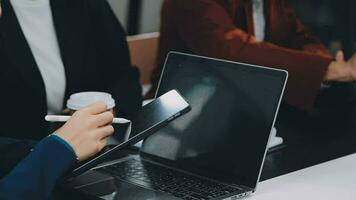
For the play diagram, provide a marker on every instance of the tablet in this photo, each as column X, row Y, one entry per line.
column 148, row 120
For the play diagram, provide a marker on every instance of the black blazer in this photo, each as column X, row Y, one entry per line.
column 96, row 58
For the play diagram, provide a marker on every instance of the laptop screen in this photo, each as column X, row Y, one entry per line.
column 225, row 135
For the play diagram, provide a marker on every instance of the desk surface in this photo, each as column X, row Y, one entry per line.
column 331, row 180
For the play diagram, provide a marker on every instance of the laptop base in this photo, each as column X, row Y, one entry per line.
column 122, row 180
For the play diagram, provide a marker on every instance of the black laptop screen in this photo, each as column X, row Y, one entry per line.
column 225, row 134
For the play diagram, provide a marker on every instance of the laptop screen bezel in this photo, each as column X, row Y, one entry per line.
column 276, row 72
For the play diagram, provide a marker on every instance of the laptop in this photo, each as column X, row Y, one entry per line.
column 216, row 151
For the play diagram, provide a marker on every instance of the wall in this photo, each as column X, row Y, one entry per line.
column 150, row 15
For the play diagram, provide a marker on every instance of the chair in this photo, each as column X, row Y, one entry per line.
column 143, row 49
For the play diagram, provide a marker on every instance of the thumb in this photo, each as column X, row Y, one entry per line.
column 340, row 56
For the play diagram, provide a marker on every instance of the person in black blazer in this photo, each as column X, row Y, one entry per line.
column 94, row 53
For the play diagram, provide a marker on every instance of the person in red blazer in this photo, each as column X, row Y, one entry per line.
column 226, row 29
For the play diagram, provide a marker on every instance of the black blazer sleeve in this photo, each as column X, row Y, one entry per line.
column 114, row 58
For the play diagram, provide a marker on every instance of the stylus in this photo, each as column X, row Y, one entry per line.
column 64, row 118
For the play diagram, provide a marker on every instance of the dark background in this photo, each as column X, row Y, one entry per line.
column 333, row 21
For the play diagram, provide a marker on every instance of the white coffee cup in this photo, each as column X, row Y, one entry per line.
column 80, row 100
column 83, row 99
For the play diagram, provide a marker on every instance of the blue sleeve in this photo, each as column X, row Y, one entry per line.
column 12, row 152
column 36, row 176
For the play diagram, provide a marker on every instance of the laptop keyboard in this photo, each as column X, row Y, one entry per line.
column 170, row 181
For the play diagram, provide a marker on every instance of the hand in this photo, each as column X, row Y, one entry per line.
column 87, row 130
column 340, row 70
column 352, row 61
column 237, row 33
column 67, row 111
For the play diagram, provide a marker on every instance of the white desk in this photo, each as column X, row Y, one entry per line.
column 334, row 180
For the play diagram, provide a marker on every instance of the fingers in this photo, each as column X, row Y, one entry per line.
column 96, row 108
column 352, row 60
column 340, row 56
column 102, row 144
column 104, row 132
column 0, row 9
column 104, row 118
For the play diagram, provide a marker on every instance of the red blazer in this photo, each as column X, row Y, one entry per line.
column 224, row 29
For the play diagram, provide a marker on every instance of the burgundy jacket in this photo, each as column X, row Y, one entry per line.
column 225, row 28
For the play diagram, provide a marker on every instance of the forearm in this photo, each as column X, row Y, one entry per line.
column 318, row 49
column 13, row 152
column 307, row 70
column 36, row 176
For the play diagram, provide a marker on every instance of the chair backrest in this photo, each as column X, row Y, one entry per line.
column 143, row 50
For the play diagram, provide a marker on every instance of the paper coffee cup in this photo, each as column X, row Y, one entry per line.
column 80, row 100
column 83, row 99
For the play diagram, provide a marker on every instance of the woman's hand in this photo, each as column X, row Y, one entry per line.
column 0, row 9
column 340, row 70
column 352, row 61
column 87, row 130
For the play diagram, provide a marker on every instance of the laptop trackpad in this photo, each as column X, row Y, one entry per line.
column 116, row 189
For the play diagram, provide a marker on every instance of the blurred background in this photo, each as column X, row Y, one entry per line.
column 333, row 21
